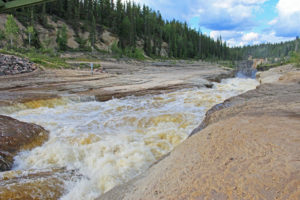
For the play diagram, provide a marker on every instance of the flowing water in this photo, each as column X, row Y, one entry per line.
column 109, row 143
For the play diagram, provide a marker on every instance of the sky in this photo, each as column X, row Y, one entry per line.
column 238, row 22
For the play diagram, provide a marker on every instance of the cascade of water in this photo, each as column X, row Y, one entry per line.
column 111, row 142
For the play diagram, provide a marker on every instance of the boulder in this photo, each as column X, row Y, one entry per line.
column 164, row 50
column 11, row 65
column 15, row 136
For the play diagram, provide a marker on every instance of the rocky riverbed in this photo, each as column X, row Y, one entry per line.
column 246, row 148
column 122, row 79
column 16, row 136
column 12, row 65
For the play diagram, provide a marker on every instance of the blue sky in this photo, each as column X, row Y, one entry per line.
column 239, row 22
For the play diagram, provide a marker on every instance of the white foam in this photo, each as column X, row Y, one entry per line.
column 111, row 142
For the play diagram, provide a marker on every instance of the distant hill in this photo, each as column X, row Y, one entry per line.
column 272, row 51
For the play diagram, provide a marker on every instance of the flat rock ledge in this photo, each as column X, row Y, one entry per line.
column 122, row 79
column 12, row 65
column 16, row 136
column 246, row 148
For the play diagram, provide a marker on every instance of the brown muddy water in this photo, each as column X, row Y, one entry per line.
column 109, row 143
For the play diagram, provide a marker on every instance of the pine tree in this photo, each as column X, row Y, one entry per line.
column 93, row 32
column 62, row 38
column 125, row 32
column 132, row 22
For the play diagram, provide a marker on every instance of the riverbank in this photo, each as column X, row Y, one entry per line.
column 246, row 148
column 122, row 79
column 183, row 169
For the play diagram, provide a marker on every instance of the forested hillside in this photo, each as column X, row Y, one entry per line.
column 135, row 25
column 278, row 50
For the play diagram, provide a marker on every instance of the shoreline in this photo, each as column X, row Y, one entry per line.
column 210, row 118
column 214, row 162
column 122, row 79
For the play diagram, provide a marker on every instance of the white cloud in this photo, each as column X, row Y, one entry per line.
column 227, row 14
column 233, row 19
column 240, row 38
column 288, row 7
column 226, row 34
column 250, row 36
column 272, row 22
column 213, row 14
column 287, row 23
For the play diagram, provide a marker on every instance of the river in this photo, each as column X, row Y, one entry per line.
column 111, row 142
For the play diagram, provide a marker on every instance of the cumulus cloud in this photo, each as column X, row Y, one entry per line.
column 250, row 36
column 229, row 14
column 240, row 38
column 287, row 23
column 214, row 14
column 233, row 19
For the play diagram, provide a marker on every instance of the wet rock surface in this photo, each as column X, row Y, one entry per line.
column 246, row 148
column 35, row 184
column 273, row 75
column 122, row 79
column 245, row 68
column 35, row 89
column 12, row 65
column 15, row 136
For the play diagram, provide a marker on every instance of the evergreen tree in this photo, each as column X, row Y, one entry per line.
column 93, row 32
column 62, row 38
column 132, row 22
column 125, row 32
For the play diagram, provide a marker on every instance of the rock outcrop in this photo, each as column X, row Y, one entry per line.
column 47, row 35
column 106, row 40
column 246, row 148
column 11, row 65
column 15, row 136
column 21, row 36
column 273, row 75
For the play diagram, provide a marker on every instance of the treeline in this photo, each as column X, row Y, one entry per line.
column 278, row 50
column 132, row 23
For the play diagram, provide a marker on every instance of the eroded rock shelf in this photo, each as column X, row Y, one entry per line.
column 246, row 148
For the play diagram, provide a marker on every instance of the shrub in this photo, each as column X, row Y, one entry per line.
column 295, row 58
column 11, row 29
column 62, row 38
column 135, row 53
column 115, row 49
column 138, row 54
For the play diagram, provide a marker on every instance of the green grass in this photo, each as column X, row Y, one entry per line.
column 46, row 59
column 226, row 63
column 264, row 67
column 82, row 59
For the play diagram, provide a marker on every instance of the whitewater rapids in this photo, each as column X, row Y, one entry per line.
column 111, row 142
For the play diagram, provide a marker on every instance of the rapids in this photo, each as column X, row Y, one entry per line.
column 111, row 142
